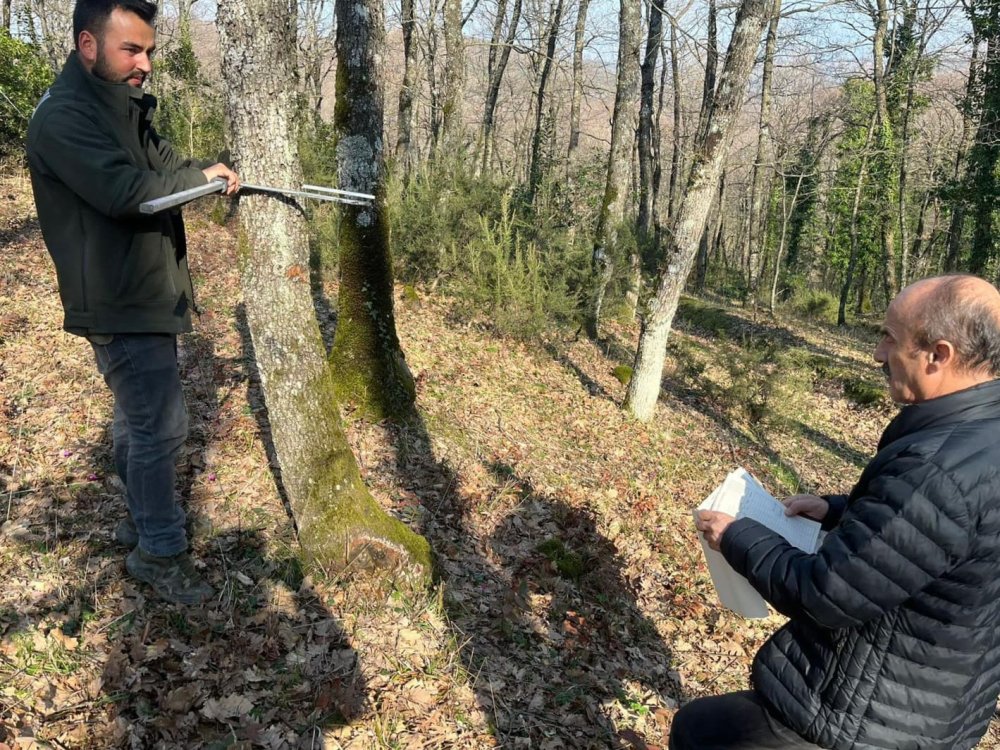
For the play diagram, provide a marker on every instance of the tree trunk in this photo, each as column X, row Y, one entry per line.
column 619, row 158
column 710, row 238
column 452, row 124
column 758, row 194
column 852, row 262
column 496, row 70
column 786, row 216
column 368, row 362
column 405, row 147
column 535, row 170
column 956, row 227
column 576, row 102
column 711, row 68
column 658, row 148
column 884, row 171
column 433, row 78
column 986, row 148
column 677, row 151
column 339, row 522
column 7, row 19
column 647, row 154
column 711, row 149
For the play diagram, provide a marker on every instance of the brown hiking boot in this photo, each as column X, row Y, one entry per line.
column 172, row 578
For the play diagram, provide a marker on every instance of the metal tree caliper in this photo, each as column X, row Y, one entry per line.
column 217, row 185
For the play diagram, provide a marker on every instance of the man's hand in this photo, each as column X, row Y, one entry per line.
column 221, row 170
column 809, row 506
column 713, row 525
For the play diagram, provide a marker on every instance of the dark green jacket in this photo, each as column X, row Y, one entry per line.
column 94, row 157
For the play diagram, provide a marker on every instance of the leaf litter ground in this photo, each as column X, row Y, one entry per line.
column 572, row 607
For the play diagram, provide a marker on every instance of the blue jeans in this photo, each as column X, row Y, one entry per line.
column 150, row 426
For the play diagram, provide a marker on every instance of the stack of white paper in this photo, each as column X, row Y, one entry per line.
column 741, row 496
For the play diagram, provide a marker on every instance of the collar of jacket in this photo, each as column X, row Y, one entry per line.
column 117, row 97
column 978, row 402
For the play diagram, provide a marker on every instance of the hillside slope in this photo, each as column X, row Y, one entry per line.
column 572, row 608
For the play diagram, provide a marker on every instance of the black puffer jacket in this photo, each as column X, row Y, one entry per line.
column 894, row 638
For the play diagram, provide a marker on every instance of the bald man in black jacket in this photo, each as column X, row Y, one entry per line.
column 893, row 639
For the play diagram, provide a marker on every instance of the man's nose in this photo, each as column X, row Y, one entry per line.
column 144, row 64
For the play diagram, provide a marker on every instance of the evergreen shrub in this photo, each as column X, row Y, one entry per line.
column 496, row 256
column 816, row 305
column 24, row 77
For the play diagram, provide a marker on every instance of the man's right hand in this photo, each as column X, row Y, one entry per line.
column 221, row 170
column 809, row 506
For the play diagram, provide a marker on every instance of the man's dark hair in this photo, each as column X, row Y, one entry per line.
column 967, row 320
column 92, row 15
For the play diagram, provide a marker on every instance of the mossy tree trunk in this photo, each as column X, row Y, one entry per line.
column 338, row 520
column 369, row 367
column 710, row 152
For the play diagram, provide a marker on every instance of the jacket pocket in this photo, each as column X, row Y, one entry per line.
column 144, row 275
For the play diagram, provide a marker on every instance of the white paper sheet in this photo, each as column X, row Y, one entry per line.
column 741, row 496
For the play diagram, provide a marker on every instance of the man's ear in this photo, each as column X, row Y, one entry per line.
column 87, row 45
column 941, row 355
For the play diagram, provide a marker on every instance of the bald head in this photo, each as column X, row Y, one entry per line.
column 961, row 309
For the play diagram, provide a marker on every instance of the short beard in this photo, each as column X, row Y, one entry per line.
column 102, row 71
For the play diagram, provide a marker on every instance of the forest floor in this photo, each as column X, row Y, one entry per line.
column 572, row 607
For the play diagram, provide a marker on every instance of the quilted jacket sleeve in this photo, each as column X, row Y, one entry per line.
column 911, row 526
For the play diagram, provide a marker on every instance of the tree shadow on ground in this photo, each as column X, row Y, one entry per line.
column 836, row 447
column 551, row 633
column 264, row 664
column 593, row 387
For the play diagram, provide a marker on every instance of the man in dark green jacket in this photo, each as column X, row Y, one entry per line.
column 123, row 277
column 892, row 641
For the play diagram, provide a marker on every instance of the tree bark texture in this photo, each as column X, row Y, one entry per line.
column 757, row 234
column 405, row 147
column 986, row 147
column 710, row 153
column 368, row 361
column 884, row 169
column 677, row 146
column 852, row 262
column 339, row 522
column 452, row 124
column 623, row 126
column 711, row 69
column 576, row 101
column 648, row 156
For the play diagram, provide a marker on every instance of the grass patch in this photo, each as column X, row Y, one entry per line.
column 864, row 392
column 569, row 564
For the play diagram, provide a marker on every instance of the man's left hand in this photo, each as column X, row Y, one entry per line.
column 713, row 525
column 221, row 170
